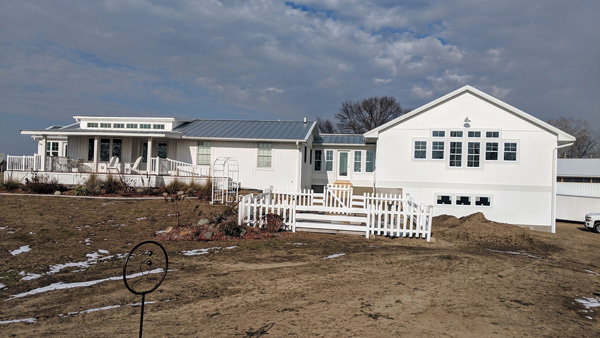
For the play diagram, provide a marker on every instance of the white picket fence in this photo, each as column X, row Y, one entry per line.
column 377, row 214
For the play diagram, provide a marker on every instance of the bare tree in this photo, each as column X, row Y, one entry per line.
column 587, row 144
column 361, row 116
column 325, row 126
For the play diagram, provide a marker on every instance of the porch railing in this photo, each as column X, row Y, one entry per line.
column 167, row 166
column 24, row 163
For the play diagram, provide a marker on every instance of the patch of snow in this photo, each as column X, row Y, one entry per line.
column 588, row 317
column 32, row 233
column 593, row 273
column 24, row 320
column 197, row 252
column 3, row 228
column 2, row 286
column 29, row 276
column 160, row 232
column 11, row 232
column 62, row 286
column 57, row 267
column 516, row 253
column 297, row 243
column 88, row 241
column 102, row 251
column 231, row 247
column 335, row 256
column 589, row 302
column 109, row 307
column 141, row 218
column 24, row 248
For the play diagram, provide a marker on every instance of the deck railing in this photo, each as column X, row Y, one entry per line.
column 167, row 166
column 377, row 214
column 24, row 163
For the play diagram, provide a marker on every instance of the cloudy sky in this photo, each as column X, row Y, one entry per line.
column 261, row 59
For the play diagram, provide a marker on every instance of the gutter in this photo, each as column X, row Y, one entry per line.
column 554, row 170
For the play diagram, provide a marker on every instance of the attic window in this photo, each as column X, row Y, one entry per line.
column 105, row 125
column 132, row 125
column 92, row 124
column 158, row 126
column 438, row 133
column 456, row 134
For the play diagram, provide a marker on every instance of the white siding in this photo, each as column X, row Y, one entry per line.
column 522, row 189
column 574, row 208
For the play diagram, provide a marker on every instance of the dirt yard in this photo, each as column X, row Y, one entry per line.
column 477, row 279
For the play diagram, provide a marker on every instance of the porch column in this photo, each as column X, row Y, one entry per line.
column 96, row 149
column 44, row 145
column 149, row 156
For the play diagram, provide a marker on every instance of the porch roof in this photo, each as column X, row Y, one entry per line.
column 247, row 130
column 76, row 130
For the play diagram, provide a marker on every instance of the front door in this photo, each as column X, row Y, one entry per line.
column 343, row 165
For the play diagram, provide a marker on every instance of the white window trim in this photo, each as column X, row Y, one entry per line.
column 322, row 161
column 443, row 152
column 479, row 166
column 332, row 161
column 517, row 160
column 462, row 154
column 439, row 137
column 209, row 153
column 258, row 156
column 361, row 161
column 414, row 141
column 492, row 140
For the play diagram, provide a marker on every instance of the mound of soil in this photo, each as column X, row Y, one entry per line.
column 211, row 232
column 475, row 229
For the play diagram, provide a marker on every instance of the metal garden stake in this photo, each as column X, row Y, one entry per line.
column 144, row 270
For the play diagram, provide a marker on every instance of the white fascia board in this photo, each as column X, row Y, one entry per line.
column 561, row 135
column 234, row 139
column 98, row 133
column 343, row 144
column 310, row 131
column 80, row 118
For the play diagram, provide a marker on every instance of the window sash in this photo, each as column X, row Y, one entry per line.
column 357, row 161
column 473, row 154
column 437, row 150
column 420, row 150
column 162, row 150
column 203, row 156
column 455, row 154
column 510, row 151
column 264, row 155
column 438, row 133
column 318, row 159
column 491, row 151
column 329, row 160
column 370, row 161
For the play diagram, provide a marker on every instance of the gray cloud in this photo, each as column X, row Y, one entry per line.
column 269, row 59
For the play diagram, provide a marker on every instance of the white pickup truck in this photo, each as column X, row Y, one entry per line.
column 592, row 221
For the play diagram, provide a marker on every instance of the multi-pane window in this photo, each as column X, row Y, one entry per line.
column 463, row 200
column 484, row 201
column 105, row 149
column 92, row 124
column 145, row 126
column 491, row 151
column 329, row 160
column 162, row 150
column 370, row 161
column 132, row 125
column 264, row 155
column 443, row 200
column 438, row 133
column 510, row 151
column 119, row 125
column 51, row 148
column 437, row 150
column 203, row 153
column 318, row 159
column 420, row 149
column 158, row 126
column 105, row 125
column 117, row 146
column 90, row 149
column 474, row 134
column 456, row 134
column 455, row 154
column 473, row 154
column 492, row 134
column 357, row 161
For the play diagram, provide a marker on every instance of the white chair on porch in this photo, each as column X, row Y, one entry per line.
column 129, row 169
column 113, row 165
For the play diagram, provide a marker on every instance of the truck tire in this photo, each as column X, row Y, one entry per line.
column 597, row 227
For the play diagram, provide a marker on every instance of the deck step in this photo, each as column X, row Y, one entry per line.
column 330, row 226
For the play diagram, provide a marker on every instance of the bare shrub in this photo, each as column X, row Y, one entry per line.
column 41, row 184
column 94, row 183
column 205, row 191
column 11, row 185
column 273, row 222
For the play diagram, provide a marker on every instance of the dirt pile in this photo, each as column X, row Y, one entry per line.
column 475, row 229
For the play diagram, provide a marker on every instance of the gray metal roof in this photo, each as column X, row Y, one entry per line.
column 340, row 139
column 578, row 167
column 245, row 129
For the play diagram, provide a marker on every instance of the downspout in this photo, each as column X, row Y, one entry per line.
column 554, row 171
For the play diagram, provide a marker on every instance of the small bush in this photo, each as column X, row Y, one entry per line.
column 273, row 222
column 113, row 185
column 231, row 228
column 175, row 186
column 82, row 191
column 205, row 191
column 43, row 185
column 93, row 183
column 11, row 185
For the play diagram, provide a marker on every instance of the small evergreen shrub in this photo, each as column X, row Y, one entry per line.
column 82, row 191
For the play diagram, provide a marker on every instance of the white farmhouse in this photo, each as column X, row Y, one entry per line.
column 465, row 152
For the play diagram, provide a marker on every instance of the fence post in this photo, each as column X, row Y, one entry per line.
column 294, row 214
column 368, row 221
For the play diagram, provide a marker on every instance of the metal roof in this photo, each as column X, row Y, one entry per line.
column 578, row 167
column 246, row 129
column 340, row 139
